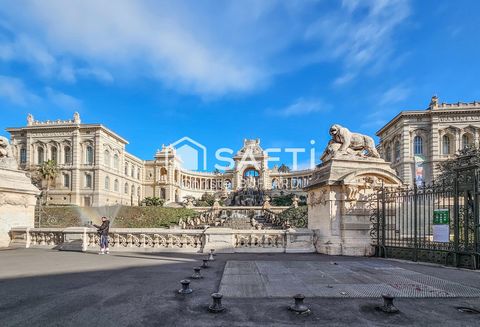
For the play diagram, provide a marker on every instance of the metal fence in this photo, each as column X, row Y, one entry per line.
column 436, row 223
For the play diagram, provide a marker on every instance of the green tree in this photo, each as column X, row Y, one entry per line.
column 48, row 172
column 153, row 201
column 468, row 156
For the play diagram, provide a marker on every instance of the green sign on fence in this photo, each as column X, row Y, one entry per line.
column 441, row 217
column 441, row 225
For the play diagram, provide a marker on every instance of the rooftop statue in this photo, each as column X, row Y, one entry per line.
column 433, row 102
column 76, row 118
column 30, row 120
column 346, row 143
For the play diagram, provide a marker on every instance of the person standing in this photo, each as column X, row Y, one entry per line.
column 102, row 230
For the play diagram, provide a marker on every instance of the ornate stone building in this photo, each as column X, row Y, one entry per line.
column 95, row 169
column 165, row 178
column 415, row 141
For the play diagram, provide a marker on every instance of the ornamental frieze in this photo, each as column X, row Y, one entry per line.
column 458, row 118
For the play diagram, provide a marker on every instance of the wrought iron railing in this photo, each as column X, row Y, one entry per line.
column 403, row 223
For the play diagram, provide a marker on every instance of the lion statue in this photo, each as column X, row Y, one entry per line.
column 345, row 142
column 5, row 148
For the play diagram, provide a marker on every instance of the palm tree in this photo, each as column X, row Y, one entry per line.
column 48, row 172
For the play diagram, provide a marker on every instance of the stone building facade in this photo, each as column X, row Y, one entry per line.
column 165, row 178
column 415, row 141
column 94, row 167
column 96, row 170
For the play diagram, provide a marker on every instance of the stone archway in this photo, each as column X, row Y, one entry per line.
column 250, row 178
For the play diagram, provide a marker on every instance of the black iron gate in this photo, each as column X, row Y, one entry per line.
column 437, row 223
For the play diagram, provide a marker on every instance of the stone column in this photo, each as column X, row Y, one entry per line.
column 338, row 198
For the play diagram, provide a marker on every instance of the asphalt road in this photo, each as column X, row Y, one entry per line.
column 51, row 288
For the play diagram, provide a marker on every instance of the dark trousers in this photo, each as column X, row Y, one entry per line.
column 103, row 241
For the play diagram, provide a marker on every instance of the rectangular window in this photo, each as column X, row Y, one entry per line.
column 66, row 180
column 88, row 180
column 23, row 155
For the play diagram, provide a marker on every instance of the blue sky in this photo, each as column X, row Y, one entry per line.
column 222, row 71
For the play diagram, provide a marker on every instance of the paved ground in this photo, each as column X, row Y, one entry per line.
column 347, row 279
column 51, row 288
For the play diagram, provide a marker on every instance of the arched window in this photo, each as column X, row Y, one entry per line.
column 106, row 158
column 132, row 172
column 66, row 180
column 23, row 155
column 54, row 153
column 139, row 191
column 133, row 190
column 107, row 183
column 466, row 140
column 88, row 180
column 126, row 168
column 126, row 188
column 40, row 155
column 115, row 161
column 67, row 155
column 446, row 144
column 388, row 154
column 397, row 151
column 138, row 173
column 89, row 155
column 115, row 185
column 417, row 145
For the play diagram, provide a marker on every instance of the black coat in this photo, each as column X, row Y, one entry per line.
column 103, row 229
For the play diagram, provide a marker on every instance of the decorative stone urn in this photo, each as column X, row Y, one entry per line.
column 18, row 195
column 338, row 194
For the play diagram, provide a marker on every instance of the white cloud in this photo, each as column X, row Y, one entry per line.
column 208, row 48
column 302, row 107
column 394, row 94
column 62, row 100
column 386, row 105
column 359, row 40
column 344, row 79
column 14, row 90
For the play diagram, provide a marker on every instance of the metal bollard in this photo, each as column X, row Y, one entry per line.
column 210, row 257
column 299, row 306
column 216, row 306
column 185, row 287
column 388, row 306
column 212, row 251
column 196, row 273
column 205, row 265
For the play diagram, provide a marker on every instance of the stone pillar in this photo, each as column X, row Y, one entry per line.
column 219, row 239
column 338, row 198
column 17, row 195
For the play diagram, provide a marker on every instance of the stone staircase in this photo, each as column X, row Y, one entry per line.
column 244, row 223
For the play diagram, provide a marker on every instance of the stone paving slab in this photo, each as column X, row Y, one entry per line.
column 351, row 279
